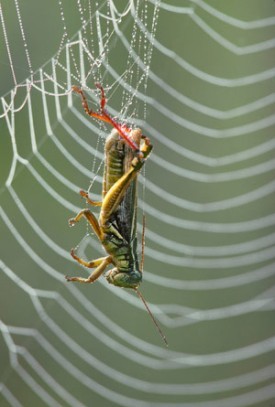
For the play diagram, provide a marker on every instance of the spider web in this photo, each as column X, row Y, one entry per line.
column 199, row 80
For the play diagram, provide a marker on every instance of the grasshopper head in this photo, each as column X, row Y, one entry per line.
column 131, row 279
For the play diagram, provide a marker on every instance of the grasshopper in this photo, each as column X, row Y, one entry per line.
column 126, row 151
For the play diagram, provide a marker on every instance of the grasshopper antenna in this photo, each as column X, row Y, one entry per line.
column 152, row 316
column 143, row 243
column 139, row 293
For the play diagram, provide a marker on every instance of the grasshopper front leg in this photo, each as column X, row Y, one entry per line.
column 100, row 265
column 90, row 201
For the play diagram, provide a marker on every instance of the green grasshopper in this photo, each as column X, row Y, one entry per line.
column 126, row 151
